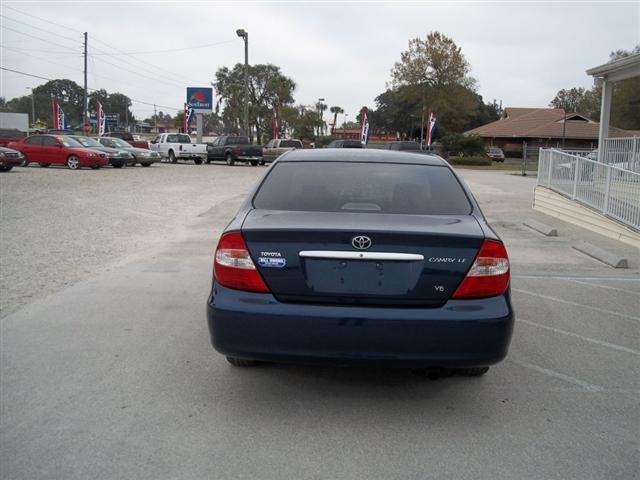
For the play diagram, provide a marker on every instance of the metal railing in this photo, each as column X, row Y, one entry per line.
column 611, row 190
column 621, row 152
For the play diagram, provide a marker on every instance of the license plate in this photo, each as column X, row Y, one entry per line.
column 361, row 277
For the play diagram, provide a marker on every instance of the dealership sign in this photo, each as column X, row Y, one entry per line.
column 200, row 99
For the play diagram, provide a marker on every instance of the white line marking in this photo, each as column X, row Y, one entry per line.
column 605, row 287
column 552, row 373
column 570, row 277
column 576, row 304
column 595, row 341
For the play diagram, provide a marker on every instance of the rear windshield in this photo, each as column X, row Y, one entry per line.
column 12, row 134
column 362, row 187
column 291, row 144
column 178, row 138
column 237, row 141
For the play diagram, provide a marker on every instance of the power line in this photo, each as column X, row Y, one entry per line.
column 148, row 52
column 42, row 19
column 37, row 38
column 120, row 52
column 23, row 73
column 38, row 28
column 92, row 89
column 166, row 82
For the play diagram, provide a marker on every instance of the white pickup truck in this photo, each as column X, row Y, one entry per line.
column 178, row 146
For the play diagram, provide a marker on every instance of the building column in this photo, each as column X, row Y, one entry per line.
column 605, row 116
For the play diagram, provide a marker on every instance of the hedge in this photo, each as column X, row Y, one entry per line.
column 475, row 161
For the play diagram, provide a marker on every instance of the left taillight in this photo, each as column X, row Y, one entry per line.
column 234, row 267
column 489, row 274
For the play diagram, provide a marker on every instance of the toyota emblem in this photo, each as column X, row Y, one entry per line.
column 361, row 242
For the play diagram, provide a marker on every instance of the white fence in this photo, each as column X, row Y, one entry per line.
column 621, row 152
column 609, row 189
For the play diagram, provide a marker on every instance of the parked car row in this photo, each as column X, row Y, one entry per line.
column 74, row 151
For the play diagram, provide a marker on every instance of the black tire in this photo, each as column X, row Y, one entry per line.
column 5, row 168
column 229, row 159
column 197, row 161
column 44, row 165
column 117, row 165
column 95, row 167
column 73, row 162
column 254, row 163
column 262, row 162
column 172, row 157
column 146, row 164
column 242, row 362
column 472, row 371
column 208, row 161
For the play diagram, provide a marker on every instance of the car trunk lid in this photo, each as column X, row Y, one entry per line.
column 314, row 257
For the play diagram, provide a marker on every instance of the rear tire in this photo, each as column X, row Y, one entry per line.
column 172, row 157
column 145, row 164
column 472, row 371
column 44, row 165
column 242, row 362
column 197, row 161
column 5, row 168
column 117, row 165
column 95, row 167
column 254, row 163
column 229, row 159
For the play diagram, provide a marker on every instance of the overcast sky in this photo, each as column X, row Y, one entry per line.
column 520, row 53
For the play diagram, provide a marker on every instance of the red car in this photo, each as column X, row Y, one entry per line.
column 8, row 135
column 49, row 150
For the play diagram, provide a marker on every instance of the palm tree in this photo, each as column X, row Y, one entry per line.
column 336, row 111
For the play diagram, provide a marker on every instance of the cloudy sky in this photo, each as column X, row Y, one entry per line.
column 520, row 52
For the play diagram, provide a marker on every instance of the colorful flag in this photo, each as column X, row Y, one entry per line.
column 430, row 128
column 364, row 131
column 274, row 122
column 58, row 115
column 100, row 119
column 187, row 117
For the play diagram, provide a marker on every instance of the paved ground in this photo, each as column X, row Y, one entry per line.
column 112, row 374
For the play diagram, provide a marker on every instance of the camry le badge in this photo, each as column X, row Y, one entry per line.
column 361, row 242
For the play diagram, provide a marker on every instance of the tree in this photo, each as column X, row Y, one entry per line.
column 434, row 61
column 335, row 110
column 625, row 102
column 268, row 88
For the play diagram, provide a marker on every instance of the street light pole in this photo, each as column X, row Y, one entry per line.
column 245, row 36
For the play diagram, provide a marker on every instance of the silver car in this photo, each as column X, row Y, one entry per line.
column 140, row 155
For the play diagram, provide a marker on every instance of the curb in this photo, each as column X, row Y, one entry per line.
column 540, row 227
column 603, row 256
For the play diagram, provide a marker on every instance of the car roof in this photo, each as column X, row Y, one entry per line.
column 360, row 155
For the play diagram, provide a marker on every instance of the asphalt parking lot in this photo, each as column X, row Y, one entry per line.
column 107, row 371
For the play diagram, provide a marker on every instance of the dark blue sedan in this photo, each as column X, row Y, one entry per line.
column 361, row 257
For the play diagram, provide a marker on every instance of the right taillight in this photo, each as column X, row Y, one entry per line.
column 234, row 267
column 489, row 274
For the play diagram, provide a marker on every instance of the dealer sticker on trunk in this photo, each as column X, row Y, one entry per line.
column 271, row 262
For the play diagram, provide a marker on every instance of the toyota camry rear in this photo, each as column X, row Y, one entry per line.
column 361, row 256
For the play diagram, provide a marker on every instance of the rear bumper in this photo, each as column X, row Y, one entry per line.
column 460, row 333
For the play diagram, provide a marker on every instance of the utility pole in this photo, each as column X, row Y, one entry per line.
column 242, row 33
column 155, row 118
column 85, row 104
column 33, row 108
